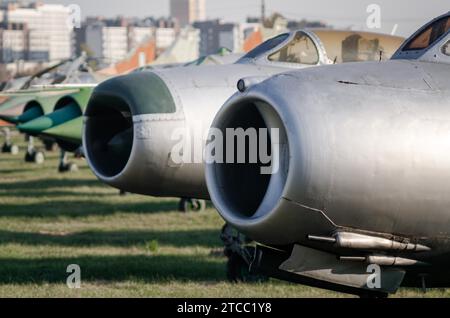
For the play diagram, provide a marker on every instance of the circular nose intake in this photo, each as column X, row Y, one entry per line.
column 108, row 128
column 245, row 192
column 108, row 134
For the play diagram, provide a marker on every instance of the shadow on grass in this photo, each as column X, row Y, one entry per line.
column 205, row 238
column 46, row 188
column 14, row 171
column 10, row 158
column 83, row 208
column 56, row 194
column 152, row 268
column 42, row 184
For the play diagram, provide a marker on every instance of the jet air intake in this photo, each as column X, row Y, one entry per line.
column 248, row 194
column 108, row 133
column 115, row 134
column 378, row 167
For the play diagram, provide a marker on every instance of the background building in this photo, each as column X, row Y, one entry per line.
column 111, row 40
column 188, row 11
column 33, row 35
column 48, row 36
column 215, row 35
column 106, row 40
column 13, row 42
column 164, row 38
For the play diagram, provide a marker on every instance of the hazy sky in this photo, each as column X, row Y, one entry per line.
column 408, row 14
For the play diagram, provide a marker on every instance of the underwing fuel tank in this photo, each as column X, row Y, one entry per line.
column 361, row 146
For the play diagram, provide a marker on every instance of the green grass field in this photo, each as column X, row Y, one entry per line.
column 132, row 246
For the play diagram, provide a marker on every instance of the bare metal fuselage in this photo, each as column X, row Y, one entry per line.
column 364, row 149
column 363, row 174
column 137, row 156
column 194, row 114
column 367, row 149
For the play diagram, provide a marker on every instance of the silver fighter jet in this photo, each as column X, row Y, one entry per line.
column 134, row 123
column 360, row 201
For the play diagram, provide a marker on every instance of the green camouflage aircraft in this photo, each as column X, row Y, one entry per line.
column 53, row 112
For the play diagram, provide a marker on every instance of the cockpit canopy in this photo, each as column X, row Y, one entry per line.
column 431, row 43
column 429, row 36
column 268, row 46
column 352, row 46
column 322, row 46
column 300, row 50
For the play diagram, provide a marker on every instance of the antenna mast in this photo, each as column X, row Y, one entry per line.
column 263, row 11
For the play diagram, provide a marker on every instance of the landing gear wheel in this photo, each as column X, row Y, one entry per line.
column 39, row 157
column 10, row 148
column 240, row 253
column 68, row 167
column 34, row 156
column 29, row 156
column 49, row 145
column 238, row 270
column 79, row 153
column 191, row 205
column 14, row 150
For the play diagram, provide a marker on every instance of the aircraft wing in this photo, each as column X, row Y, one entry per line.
column 48, row 89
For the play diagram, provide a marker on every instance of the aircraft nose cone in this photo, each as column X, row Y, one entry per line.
column 29, row 114
column 9, row 119
column 68, row 135
column 69, row 131
column 65, row 114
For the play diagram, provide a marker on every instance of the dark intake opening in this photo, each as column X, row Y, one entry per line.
column 244, row 185
column 109, row 134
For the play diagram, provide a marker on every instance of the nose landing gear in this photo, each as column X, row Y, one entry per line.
column 8, row 146
column 65, row 165
column 191, row 205
column 240, row 252
column 33, row 155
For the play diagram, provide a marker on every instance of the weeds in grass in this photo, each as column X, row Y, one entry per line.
column 152, row 246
